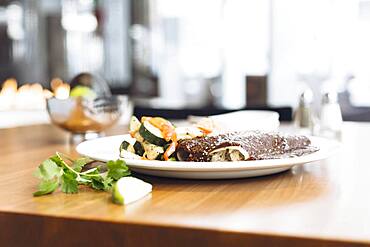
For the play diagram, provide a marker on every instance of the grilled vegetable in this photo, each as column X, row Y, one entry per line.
column 139, row 150
column 165, row 126
column 159, row 157
column 152, row 134
column 138, row 137
column 125, row 145
column 134, row 124
column 170, row 150
column 152, row 151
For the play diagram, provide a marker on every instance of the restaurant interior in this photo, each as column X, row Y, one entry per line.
column 184, row 122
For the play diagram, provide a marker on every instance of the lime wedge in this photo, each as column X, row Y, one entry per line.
column 82, row 91
column 130, row 189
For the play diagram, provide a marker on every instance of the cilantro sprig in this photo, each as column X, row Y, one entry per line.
column 60, row 171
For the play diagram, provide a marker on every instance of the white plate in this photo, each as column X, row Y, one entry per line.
column 247, row 120
column 107, row 148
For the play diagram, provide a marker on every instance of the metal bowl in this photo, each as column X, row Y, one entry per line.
column 85, row 117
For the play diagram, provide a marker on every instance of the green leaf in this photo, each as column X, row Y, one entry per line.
column 117, row 169
column 47, row 187
column 97, row 183
column 58, row 160
column 80, row 162
column 108, row 183
column 47, row 170
column 69, row 182
column 100, row 183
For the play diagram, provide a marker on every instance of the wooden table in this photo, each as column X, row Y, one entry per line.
column 324, row 203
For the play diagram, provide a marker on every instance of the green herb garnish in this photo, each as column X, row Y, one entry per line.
column 61, row 171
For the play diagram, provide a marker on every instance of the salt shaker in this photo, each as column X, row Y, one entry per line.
column 330, row 116
column 304, row 116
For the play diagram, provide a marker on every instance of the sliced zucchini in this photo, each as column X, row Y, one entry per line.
column 152, row 151
column 134, row 124
column 139, row 149
column 138, row 137
column 125, row 145
column 152, row 134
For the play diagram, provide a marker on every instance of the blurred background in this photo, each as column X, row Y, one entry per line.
column 192, row 54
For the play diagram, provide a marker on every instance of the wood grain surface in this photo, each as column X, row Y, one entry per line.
column 324, row 203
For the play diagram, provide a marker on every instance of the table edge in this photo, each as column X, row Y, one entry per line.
column 45, row 229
